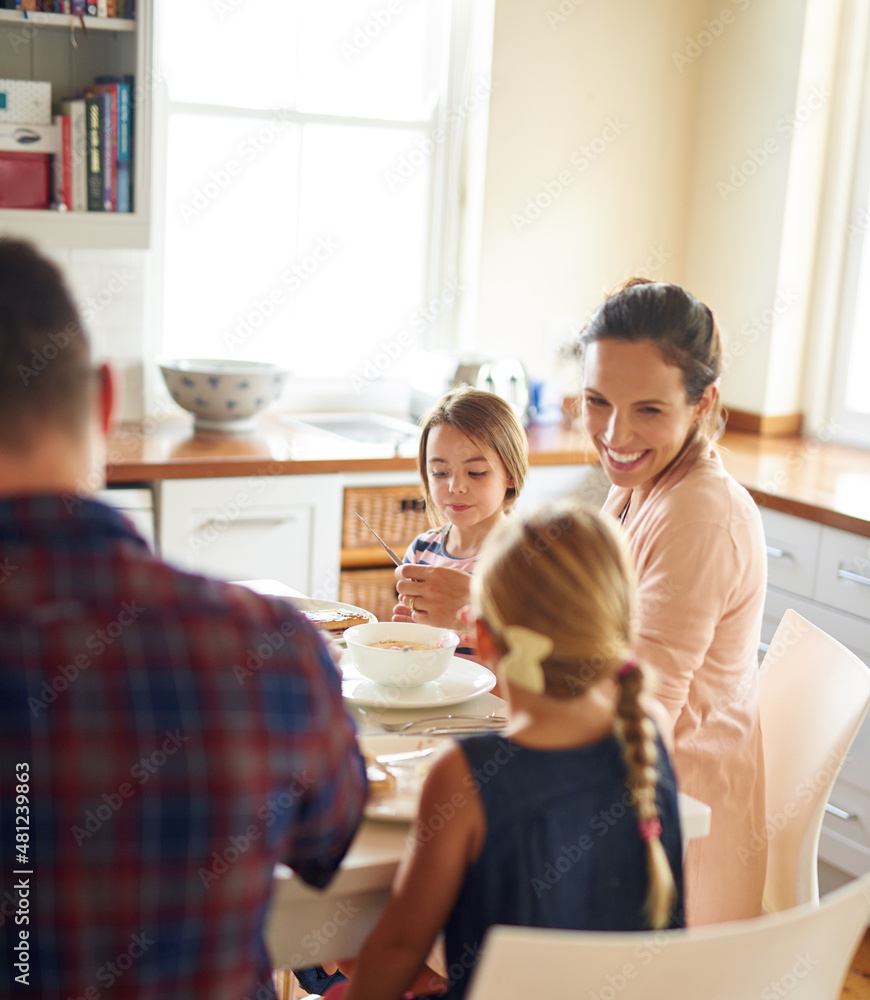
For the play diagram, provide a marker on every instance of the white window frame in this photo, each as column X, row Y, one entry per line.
column 844, row 231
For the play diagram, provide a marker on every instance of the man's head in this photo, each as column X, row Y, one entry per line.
column 46, row 375
column 52, row 398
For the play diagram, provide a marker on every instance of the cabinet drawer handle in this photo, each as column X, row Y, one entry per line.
column 267, row 522
column 775, row 553
column 839, row 813
column 847, row 574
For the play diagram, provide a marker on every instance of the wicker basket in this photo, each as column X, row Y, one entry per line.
column 372, row 589
column 397, row 513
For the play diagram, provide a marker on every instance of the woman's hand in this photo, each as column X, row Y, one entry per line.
column 433, row 595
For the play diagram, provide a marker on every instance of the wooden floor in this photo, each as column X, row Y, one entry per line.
column 857, row 986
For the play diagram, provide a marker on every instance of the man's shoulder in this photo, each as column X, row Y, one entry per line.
column 209, row 595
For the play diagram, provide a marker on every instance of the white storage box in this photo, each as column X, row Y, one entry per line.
column 27, row 101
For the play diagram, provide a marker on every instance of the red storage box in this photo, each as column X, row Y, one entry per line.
column 25, row 180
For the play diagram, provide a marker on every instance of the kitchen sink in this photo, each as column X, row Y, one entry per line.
column 371, row 430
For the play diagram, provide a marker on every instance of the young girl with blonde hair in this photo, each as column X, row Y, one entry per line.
column 569, row 819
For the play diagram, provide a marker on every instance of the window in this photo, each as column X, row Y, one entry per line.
column 848, row 407
column 306, row 152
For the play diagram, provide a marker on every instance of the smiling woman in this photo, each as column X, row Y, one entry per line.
column 651, row 360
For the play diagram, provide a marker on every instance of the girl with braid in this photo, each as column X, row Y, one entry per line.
column 569, row 818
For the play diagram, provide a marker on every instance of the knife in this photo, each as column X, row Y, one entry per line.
column 389, row 551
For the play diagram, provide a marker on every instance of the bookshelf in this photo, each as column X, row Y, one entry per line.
column 55, row 47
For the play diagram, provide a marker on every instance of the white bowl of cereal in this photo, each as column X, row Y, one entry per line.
column 401, row 654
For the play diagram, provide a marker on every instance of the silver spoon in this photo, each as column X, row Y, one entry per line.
column 478, row 721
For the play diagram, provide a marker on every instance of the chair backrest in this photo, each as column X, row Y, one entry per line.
column 803, row 953
column 814, row 694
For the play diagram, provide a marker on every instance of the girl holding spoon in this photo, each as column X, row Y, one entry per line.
column 473, row 460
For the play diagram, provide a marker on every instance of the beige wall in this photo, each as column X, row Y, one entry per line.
column 558, row 87
column 709, row 172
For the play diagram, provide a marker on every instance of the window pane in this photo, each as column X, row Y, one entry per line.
column 363, row 296
column 354, row 53
column 230, row 225
column 857, row 397
column 239, row 55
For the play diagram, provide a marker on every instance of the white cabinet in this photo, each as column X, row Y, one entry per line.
column 822, row 573
column 284, row 528
column 136, row 503
column 53, row 47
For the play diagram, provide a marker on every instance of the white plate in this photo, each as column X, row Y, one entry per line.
column 462, row 680
column 401, row 807
column 312, row 604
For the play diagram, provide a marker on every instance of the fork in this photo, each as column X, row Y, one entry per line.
column 478, row 721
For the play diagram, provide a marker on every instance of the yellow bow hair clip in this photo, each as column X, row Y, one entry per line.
column 522, row 662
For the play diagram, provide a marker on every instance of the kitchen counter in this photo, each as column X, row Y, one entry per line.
column 804, row 476
column 170, row 449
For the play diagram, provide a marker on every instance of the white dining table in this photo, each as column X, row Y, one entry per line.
column 306, row 926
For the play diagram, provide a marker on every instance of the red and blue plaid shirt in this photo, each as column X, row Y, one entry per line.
column 165, row 740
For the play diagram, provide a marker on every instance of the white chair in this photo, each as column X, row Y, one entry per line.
column 803, row 954
column 814, row 696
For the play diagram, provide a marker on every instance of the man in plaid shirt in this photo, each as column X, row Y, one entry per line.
column 155, row 761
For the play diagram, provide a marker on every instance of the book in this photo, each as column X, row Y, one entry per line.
column 61, row 165
column 94, row 135
column 125, row 199
column 109, row 128
column 123, row 88
column 75, row 110
column 79, row 8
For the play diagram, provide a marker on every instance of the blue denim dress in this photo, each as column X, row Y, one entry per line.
column 562, row 845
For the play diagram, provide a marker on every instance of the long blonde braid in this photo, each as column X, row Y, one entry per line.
column 566, row 573
column 637, row 734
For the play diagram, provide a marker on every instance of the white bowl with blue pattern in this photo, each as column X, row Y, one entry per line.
column 223, row 395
